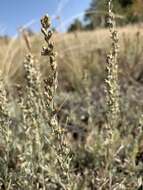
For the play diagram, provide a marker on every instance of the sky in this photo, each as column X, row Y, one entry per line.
column 18, row 13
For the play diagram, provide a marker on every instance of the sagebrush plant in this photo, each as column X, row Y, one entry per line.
column 79, row 143
column 58, row 147
column 5, row 133
column 42, row 155
column 32, row 115
column 112, row 72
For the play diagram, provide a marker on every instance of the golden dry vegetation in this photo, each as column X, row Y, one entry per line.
column 76, row 149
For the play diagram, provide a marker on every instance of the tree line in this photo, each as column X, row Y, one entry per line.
column 126, row 12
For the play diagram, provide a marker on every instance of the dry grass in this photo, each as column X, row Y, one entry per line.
column 72, row 49
column 63, row 146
